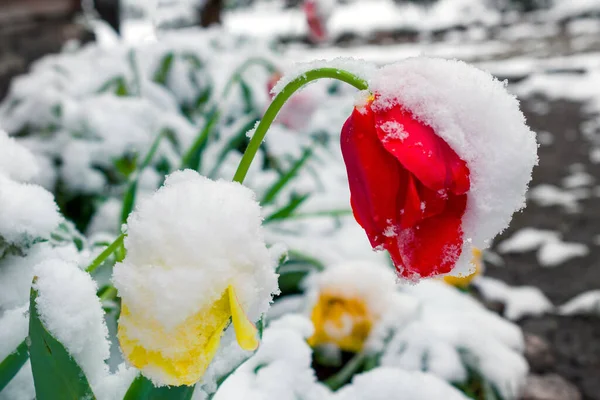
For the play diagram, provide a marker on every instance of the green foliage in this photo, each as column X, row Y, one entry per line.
column 12, row 364
column 56, row 375
column 162, row 73
column 143, row 389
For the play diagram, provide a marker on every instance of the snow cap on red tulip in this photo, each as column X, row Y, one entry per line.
column 439, row 158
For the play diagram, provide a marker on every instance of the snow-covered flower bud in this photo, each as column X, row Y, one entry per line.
column 348, row 300
column 196, row 260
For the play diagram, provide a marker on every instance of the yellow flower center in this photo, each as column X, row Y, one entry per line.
column 181, row 355
column 345, row 322
column 463, row 282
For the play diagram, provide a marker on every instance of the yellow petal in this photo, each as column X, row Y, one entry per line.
column 176, row 356
column 245, row 331
column 463, row 282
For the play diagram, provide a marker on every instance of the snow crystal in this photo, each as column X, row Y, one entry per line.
column 14, row 325
column 393, row 130
column 16, row 271
column 396, row 384
column 16, row 162
column 587, row 303
column 519, row 302
column 280, row 369
column 526, row 239
column 71, row 312
column 547, row 195
column 187, row 243
column 482, row 122
column 26, row 211
column 556, row 252
column 449, row 321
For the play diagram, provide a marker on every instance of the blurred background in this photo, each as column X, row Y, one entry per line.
column 548, row 51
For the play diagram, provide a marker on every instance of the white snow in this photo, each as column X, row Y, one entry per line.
column 552, row 252
column 587, row 303
column 14, row 326
column 486, row 129
column 578, row 179
column 16, row 162
column 547, row 195
column 27, row 212
column 556, row 252
column 17, row 271
column 449, row 321
column 519, row 302
column 280, row 369
column 526, row 239
column 397, row 384
column 268, row 20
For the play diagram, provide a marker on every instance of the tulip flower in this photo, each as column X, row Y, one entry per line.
column 196, row 261
column 438, row 157
column 351, row 299
column 316, row 18
column 408, row 188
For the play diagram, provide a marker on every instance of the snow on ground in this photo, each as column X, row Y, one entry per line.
column 552, row 251
column 587, row 303
column 519, row 302
column 361, row 17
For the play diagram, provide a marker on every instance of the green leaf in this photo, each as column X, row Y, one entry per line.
column 12, row 364
column 143, row 389
column 286, row 178
column 237, row 141
column 129, row 197
column 284, row 212
column 56, row 375
column 117, row 85
column 191, row 159
column 162, row 73
column 247, row 95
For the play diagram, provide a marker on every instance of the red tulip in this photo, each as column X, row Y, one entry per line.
column 316, row 20
column 408, row 189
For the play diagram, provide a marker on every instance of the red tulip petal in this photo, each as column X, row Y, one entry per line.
column 376, row 179
column 432, row 246
column 421, row 151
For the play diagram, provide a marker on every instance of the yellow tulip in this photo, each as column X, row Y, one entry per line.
column 345, row 322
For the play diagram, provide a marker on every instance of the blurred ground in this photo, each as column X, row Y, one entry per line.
column 575, row 341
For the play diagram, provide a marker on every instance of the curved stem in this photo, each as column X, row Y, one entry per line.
column 279, row 101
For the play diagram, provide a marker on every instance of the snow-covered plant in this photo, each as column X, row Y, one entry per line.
column 431, row 180
column 195, row 259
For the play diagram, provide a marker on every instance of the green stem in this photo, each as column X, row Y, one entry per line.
column 279, row 101
column 106, row 253
column 345, row 374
